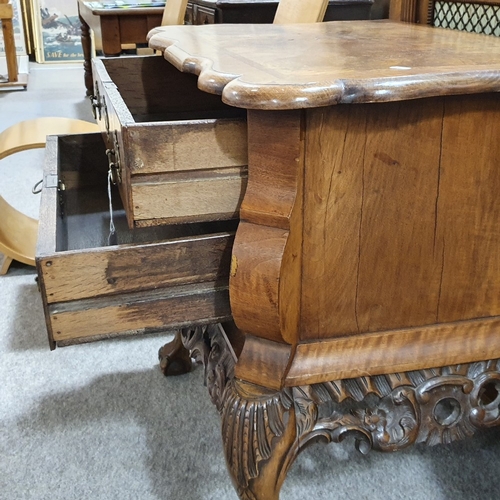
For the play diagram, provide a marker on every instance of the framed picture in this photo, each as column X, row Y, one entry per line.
column 57, row 31
column 17, row 25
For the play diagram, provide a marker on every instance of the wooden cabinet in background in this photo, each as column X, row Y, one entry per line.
column 263, row 11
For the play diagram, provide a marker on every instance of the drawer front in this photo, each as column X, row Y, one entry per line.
column 185, row 198
column 122, row 269
column 205, row 156
column 133, row 315
column 204, row 15
column 170, row 277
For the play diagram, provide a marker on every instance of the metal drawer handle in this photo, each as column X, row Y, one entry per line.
column 95, row 101
column 37, row 188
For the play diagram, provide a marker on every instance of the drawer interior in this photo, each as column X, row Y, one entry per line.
column 154, row 278
column 153, row 90
column 83, row 211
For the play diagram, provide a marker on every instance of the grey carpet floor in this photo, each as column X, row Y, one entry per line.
column 99, row 421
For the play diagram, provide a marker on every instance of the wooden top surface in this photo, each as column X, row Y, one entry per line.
column 99, row 8
column 309, row 65
column 222, row 3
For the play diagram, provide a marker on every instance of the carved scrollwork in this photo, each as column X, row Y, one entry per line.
column 263, row 430
column 207, row 345
column 391, row 412
column 254, row 418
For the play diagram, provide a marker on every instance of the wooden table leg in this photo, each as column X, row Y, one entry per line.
column 259, row 430
column 110, row 32
column 87, row 56
column 10, row 49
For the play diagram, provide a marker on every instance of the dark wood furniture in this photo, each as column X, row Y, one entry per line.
column 365, row 271
column 479, row 16
column 263, row 11
column 111, row 29
column 114, row 27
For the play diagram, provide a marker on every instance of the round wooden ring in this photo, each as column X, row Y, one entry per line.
column 18, row 232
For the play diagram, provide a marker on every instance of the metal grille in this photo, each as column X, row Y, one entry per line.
column 476, row 18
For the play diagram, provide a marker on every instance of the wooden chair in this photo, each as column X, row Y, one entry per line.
column 174, row 12
column 14, row 79
column 300, row 11
column 476, row 16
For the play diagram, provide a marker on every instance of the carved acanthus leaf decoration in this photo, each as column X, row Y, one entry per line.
column 251, row 419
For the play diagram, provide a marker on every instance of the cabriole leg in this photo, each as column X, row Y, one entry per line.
column 259, row 438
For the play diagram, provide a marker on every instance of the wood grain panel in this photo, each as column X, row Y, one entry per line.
column 469, row 209
column 152, row 21
column 274, row 155
column 265, row 270
column 395, row 351
column 332, row 215
column 165, row 309
column 263, row 362
column 186, row 145
column 113, row 270
column 132, row 28
column 49, row 206
column 110, row 33
column 370, row 257
column 254, row 279
column 400, row 257
column 215, row 196
column 300, row 11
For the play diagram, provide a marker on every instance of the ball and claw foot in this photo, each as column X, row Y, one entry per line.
column 174, row 357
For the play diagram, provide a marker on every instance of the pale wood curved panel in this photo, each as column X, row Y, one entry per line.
column 174, row 12
column 300, row 11
column 32, row 134
column 18, row 232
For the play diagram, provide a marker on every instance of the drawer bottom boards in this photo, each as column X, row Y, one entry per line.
column 155, row 278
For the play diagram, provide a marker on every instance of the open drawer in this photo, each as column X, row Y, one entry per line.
column 179, row 154
column 155, row 278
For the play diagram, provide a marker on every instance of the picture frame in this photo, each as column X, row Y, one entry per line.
column 17, row 25
column 57, row 31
